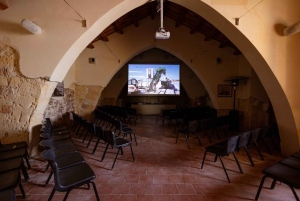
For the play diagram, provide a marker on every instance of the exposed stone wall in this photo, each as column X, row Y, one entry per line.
column 19, row 98
column 86, row 99
column 59, row 109
column 255, row 113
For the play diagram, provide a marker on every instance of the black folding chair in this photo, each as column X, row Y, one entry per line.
column 243, row 142
column 192, row 129
column 11, row 179
column 282, row 173
column 116, row 142
column 69, row 178
column 224, row 148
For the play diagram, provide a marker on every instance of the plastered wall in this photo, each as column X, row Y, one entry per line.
column 259, row 36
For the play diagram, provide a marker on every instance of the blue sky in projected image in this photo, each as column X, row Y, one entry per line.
column 138, row 71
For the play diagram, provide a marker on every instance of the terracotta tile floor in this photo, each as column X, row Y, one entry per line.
column 163, row 171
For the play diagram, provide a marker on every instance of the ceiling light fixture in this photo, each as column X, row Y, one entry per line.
column 31, row 27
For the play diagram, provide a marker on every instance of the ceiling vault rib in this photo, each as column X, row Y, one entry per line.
column 179, row 14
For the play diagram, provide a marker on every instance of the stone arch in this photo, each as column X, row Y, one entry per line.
column 283, row 110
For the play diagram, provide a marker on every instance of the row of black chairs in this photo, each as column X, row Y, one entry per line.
column 190, row 124
column 11, row 163
column 208, row 120
column 67, row 164
column 104, row 128
column 124, row 114
column 235, row 143
column 286, row 171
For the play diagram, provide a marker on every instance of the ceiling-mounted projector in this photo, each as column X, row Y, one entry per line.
column 162, row 33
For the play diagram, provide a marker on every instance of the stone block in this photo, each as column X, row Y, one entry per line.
column 15, row 81
column 6, row 109
column 3, row 80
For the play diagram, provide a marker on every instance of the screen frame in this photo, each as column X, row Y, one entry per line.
column 156, row 64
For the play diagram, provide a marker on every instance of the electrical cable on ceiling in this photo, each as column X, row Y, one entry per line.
column 74, row 9
column 237, row 19
column 111, row 51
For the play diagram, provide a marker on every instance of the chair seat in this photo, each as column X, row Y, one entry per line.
column 127, row 130
column 69, row 160
column 9, row 179
column 56, row 143
column 10, row 164
column 292, row 162
column 55, row 137
column 60, row 132
column 216, row 149
column 284, row 174
column 121, row 142
column 8, row 195
column 15, row 145
column 75, row 175
column 62, row 151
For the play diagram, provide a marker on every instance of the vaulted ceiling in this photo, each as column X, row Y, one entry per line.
column 181, row 15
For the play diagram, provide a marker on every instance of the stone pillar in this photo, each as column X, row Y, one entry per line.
column 22, row 100
column 86, row 99
column 46, row 90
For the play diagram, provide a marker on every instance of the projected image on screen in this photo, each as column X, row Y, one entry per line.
column 153, row 79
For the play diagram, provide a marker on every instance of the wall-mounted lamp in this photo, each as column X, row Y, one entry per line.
column 295, row 28
column 31, row 27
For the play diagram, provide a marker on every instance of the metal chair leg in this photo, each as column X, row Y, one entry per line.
column 131, row 153
column 249, row 156
column 203, row 159
column 115, row 159
column 261, row 156
column 260, row 187
column 95, row 190
column 187, row 140
column 104, row 152
column 96, row 145
column 237, row 162
column 50, row 175
column 22, row 190
column 224, row 169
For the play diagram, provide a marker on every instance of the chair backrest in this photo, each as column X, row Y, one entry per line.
column 110, row 136
column 48, row 155
column 193, row 126
column 99, row 132
column 232, row 143
column 256, row 134
column 244, row 138
column 90, row 127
